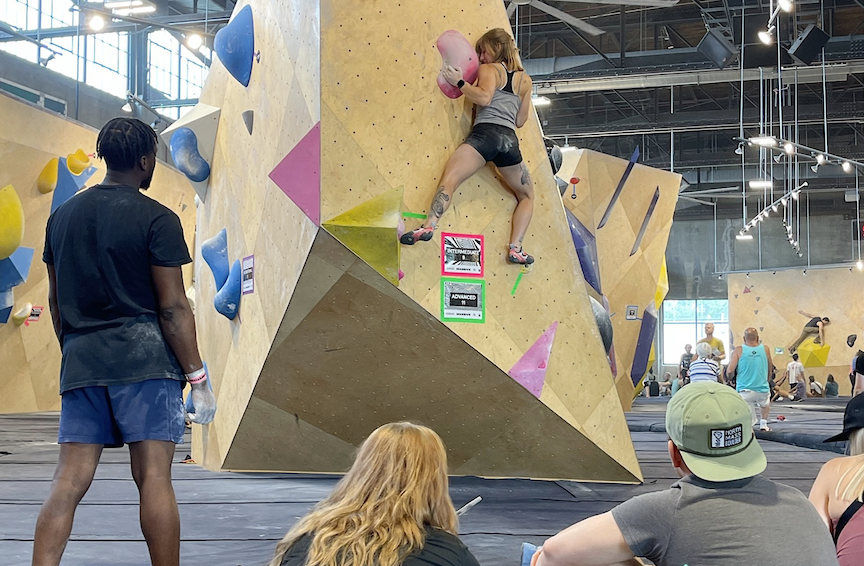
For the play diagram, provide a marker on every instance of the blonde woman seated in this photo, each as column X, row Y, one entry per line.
column 391, row 508
column 838, row 490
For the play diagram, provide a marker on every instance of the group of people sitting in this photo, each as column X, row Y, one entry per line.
column 393, row 506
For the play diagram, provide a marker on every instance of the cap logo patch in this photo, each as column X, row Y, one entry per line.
column 727, row 437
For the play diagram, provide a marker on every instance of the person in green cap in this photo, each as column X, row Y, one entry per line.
column 720, row 512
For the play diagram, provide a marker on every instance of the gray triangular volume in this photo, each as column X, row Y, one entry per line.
column 249, row 119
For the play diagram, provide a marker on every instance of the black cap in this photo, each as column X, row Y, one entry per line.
column 853, row 419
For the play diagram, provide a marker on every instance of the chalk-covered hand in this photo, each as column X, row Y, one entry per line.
column 204, row 403
column 452, row 74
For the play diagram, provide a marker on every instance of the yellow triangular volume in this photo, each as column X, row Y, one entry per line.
column 662, row 285
column 813, row 355
column 11, row 221
column 370, row 231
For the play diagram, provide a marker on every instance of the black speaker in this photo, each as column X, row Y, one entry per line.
column 808, row 45
column 716, row 48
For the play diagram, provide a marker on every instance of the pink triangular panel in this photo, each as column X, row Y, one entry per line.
column 299, row 174
column 530, row 370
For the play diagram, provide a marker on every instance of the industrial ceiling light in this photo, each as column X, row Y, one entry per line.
column 540, row 101
column 744, row 237
column 764, row 141
column 814, row 168
column 740, row 149
column 859, row 264
column 847, row 167
column 785, row 5
column 778, row 157
column 122, row 4
column 767, row 36
column 821, row 159
column 774, row 207
column 194, row 41
column 789, row 148
column 760, row 184
column 96, row 22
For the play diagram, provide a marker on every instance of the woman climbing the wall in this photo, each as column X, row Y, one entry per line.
column 502, row 97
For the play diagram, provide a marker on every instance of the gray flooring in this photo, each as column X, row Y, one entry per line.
column 235, row 519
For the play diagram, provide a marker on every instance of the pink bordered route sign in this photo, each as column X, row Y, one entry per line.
column 462, row 254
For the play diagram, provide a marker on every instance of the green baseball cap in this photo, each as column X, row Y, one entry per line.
column 713, row 429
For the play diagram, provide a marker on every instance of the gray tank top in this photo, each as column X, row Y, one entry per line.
column 503, row 108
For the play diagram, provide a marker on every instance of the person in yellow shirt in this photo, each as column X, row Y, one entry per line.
column 718, row 352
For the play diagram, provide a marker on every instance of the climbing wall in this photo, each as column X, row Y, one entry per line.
column 770, row 301
column 626, row 209
column 40, row 159
column 332, row 343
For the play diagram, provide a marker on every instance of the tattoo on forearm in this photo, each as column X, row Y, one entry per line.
column 526, row 177
column 439, row 203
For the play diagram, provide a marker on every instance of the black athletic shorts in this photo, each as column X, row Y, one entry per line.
column 495, row 143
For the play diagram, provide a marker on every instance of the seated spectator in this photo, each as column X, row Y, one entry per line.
column 815, row 388
column 666, row 384
column 837, row 491
column 677, row 384
column 703, row 368
column 832, row 389
column 778, row 392
column 721, row 513
column 391, row 508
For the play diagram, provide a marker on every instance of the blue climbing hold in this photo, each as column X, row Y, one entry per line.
column 215, row 253
column 586, row 249
column 7, row 302
column 184, row 152
column 15, row 269
column 227, row 300
column 67, row 183
column 235, row 45
column 528, row 551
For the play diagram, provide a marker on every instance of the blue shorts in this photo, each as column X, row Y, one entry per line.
column 122, row 414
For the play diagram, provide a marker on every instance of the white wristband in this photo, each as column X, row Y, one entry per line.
column 196, row 376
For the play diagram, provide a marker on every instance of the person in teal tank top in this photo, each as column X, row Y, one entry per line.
column 751, row 363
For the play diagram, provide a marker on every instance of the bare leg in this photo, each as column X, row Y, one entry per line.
column 464, row 162
column 859, row 384
column 519, row 181
column 75, row 469
column 160, row 519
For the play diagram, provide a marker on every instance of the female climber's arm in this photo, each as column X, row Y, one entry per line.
column 481, row 93
column 525, row 106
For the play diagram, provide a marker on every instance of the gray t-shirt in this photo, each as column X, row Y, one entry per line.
column 749, row 521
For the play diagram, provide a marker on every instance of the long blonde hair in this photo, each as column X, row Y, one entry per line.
column 376, row 514
column 502, row 47
column 855, row 488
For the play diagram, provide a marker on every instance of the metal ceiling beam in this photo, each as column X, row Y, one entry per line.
column 833, row 73
column 176, row 20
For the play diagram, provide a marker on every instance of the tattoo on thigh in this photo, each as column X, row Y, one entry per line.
column 439, row 202
column 526, row 177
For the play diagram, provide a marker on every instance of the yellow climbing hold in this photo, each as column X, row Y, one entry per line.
column 369, row 230
column 23, row 314
column 47, row 180
column 11, row 221
column 77, row 162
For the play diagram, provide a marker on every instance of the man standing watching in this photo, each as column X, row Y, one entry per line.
column 718, row 352
column 795, row 371
column 720, row 513
column 752, row 362
column 816, row 325
column 128, row 339
column 686, row 358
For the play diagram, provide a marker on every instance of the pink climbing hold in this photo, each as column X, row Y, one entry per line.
column 530, row 370
column 401, row 274
column 457, row 52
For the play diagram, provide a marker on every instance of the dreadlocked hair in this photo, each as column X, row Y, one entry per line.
column 123, row 141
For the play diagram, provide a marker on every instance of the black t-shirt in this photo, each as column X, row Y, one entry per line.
column 441, row 549
column 102, row 243
column 813, row 322
column 858, row 366
column 685, row 361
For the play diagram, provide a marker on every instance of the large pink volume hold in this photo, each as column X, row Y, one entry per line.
column 457, row 52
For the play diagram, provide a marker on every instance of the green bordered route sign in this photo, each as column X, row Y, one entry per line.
column 463, row 300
